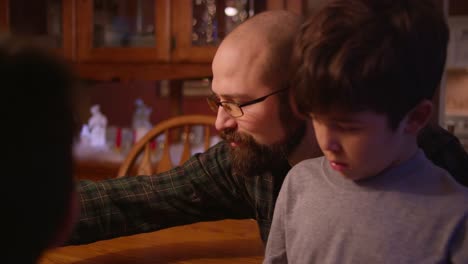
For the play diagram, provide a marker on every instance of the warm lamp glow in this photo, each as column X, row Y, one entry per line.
column 230, row 11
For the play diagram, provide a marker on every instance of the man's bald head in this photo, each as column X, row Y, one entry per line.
column 271, row 26
column 251, row 62
column 265, row 40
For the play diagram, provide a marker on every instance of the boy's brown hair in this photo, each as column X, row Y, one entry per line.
column 378, row 55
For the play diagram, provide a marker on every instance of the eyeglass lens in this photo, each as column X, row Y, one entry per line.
column 231, row 108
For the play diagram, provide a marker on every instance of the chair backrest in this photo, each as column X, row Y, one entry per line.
column 176, row 130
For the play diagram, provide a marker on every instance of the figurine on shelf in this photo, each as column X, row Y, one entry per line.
column 97, row 127
column 141, row 119
column 85, row 136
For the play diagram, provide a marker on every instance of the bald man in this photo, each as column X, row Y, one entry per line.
column 240, row 177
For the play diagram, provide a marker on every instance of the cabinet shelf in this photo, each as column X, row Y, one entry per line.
column 142, row 71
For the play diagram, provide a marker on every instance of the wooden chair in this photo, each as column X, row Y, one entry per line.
column 170, row 128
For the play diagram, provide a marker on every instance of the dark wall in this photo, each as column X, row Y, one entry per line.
column 117, row 101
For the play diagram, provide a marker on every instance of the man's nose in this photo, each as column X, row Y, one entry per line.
column 224, row 120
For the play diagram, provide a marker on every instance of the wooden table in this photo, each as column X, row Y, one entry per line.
column 95, row 170
column 227, row 241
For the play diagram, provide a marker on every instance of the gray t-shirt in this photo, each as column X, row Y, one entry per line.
column 412, row 213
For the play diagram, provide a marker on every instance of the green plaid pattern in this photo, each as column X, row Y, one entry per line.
column 204, row 189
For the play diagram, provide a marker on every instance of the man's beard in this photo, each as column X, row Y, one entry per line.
column 250, row 158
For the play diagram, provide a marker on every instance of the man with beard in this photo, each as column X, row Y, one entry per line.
column 240, row 177
column 247, row 90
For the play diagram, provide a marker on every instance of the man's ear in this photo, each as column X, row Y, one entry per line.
column 418, row 117
column 295, row 108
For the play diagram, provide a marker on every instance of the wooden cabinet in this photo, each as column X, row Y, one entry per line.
column 186, row 47
column 49, row 22
column 134, row 39
column 122, row 30
column 197, row 27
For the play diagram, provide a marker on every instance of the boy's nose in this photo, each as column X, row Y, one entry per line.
column 333, row 146
column 331, row 142
column 224, row 120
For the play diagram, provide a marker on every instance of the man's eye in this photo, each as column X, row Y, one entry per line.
column 227, row 106
column 215, row 98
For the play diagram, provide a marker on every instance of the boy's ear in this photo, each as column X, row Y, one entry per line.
column 418, row 117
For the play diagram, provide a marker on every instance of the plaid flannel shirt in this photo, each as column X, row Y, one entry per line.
column 204, row 189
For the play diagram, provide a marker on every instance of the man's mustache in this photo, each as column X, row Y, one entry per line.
column 232, row 136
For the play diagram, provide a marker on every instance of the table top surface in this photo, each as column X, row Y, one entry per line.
column 227, row 241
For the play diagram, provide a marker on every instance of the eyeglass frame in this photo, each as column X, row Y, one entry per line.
column 213, row 99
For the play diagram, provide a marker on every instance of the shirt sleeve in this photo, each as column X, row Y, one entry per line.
column 275, row 251
column 202, row 189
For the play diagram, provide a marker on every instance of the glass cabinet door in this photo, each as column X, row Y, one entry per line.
column 123, row 23
column 200, row 25
column 123, row 30
column 213, row 20
column 45, row 21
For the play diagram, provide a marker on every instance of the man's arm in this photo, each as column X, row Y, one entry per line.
column 202, row 189
column 445, row 151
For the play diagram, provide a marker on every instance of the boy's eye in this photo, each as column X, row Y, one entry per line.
column 347, row 128
column 338, row 126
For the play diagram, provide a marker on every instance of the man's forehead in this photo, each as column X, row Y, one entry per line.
column 230, row 90
column 236, row 94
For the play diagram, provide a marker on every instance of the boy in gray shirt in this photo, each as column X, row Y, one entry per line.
column 366, row 71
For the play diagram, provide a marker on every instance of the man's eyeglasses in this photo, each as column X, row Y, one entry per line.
column 235, row 109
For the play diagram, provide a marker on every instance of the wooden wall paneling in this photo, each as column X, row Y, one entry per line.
column 458, row 7
column 68, row 29
column 4, row 15
column 176, row 101
column 163, row 29
column 83, row 28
